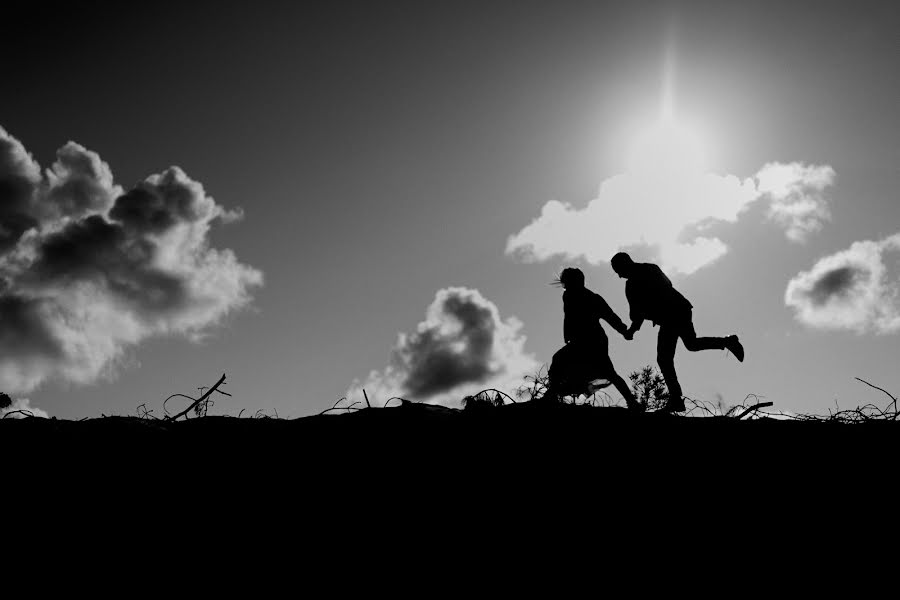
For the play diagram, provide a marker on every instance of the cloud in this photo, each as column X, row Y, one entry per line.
column 851, row 289
column 88, row 269
column 795, row 194
column 24, row 405
column 462, row 347
column 669, row 210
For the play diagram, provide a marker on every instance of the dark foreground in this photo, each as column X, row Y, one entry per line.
column 389, row 486
column 534, row 450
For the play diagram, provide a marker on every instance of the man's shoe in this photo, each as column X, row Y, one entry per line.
column 733, row 345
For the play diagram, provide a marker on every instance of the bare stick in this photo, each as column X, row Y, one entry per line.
column 24, row 413
column 336, row 407
column 366, row 396
column 891, row 396
column 166, row 410
column 754, row 407
column 200, row 399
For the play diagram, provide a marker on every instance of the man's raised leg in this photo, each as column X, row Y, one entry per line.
column 695, row 344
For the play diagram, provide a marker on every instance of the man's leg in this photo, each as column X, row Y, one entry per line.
column 695, row 344
column 665, row 358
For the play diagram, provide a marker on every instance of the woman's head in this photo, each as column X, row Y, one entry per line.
column 569, row 278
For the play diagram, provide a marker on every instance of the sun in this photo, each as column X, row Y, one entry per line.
column 667, row 150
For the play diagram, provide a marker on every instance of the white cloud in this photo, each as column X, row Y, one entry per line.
column 669, row 210
column 462, row 347
column 24, row 405
column 851, row 289
column 87, row 270
column 795, row 194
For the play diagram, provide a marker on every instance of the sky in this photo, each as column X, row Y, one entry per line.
column 318, row 198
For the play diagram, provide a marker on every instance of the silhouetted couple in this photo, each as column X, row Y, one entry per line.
column 650, row 294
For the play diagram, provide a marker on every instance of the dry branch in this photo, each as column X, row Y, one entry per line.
column 753, row 408
column 890, row 395
column 206, row 395
column 24, row 413
column 496, row 391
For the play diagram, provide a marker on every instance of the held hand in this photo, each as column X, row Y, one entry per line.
column 628, row 335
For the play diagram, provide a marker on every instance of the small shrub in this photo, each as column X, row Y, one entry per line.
column 649, row 388
column 482, row 400
column 535, row 386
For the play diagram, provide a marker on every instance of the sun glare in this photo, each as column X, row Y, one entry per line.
column 667, row 150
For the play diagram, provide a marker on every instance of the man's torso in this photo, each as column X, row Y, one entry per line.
column 652, row 296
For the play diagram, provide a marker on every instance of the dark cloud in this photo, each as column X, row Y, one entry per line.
column 79, row 184
column 80, row 249
column 836, row 283
column 851, row 289
column 23, row 329
column 164, row 201
column 104, row 253
column 87, row 270
column 440, row 357
column 463, row 343
column 19, row 177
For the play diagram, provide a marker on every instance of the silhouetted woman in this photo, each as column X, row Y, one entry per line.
column 585, row 357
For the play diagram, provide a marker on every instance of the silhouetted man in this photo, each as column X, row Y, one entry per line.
column 585, row 357
column 651, row 296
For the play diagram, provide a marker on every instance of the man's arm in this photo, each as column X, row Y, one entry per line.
column 634, row 312
column 610, row 316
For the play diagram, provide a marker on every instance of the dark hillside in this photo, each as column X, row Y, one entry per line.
column 521, row 446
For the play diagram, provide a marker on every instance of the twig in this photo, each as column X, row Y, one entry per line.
column 753, row 408
column 511, row 399
column 143, row 413
column 166, row 410
column 336, row 407
column 200, row 399
column 366, row 396
column 891, row 396
column 25, row 413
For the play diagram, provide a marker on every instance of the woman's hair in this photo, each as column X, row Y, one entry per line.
column 569, row 276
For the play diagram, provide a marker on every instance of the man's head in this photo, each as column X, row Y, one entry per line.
column 570, row 278
column 622, row 264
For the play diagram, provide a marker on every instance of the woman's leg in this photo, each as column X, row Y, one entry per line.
column 623, row 389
